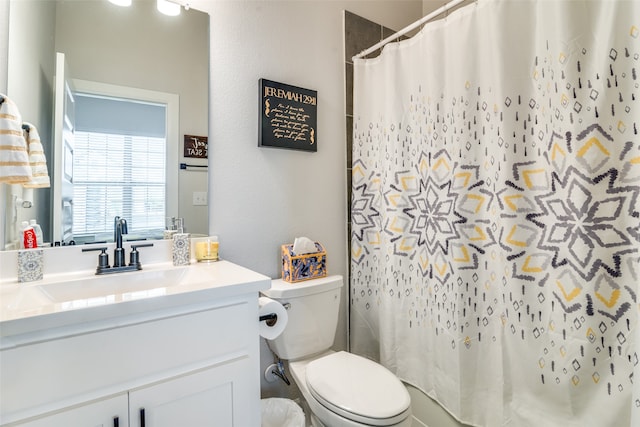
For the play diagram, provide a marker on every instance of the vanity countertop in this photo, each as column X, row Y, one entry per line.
column 68, row 304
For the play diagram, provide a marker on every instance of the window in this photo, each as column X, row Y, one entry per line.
column 118, row 175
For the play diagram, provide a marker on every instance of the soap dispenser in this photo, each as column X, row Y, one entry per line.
column 170, row 228
column 181, row 248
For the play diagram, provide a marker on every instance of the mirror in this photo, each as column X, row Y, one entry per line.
column 135, row 47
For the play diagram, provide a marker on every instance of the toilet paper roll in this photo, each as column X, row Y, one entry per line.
column 269, row 329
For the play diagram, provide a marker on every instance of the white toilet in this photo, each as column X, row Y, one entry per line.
column 340, row 388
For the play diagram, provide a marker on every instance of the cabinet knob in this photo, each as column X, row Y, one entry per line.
column 141, row 417
column 116, row 421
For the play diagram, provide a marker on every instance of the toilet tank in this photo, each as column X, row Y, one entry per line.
column 313, row 307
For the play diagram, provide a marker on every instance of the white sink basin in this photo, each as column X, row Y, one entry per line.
column 115, row 285
column 16, row 298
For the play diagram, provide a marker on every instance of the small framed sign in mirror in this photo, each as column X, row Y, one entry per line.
column 196, row 146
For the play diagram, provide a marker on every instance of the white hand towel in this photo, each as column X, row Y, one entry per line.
column 14, row 158
column 37, row 159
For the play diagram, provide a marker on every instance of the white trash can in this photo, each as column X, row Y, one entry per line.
column 277, row 412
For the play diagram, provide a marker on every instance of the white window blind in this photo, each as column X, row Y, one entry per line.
column 118, row 175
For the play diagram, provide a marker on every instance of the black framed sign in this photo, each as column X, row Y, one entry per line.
column 288, row 116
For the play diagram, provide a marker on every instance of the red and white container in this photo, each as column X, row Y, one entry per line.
column 29, row 239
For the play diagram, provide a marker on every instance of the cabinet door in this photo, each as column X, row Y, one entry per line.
column 111, row 412
column 218, row 396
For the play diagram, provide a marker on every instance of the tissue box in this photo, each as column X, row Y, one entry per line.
column 296, row 268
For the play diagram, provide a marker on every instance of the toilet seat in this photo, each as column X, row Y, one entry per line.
column 358, row 389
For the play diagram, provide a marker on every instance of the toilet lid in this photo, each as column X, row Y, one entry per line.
column 358, row 389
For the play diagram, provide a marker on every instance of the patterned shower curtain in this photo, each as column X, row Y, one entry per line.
column 496, row 212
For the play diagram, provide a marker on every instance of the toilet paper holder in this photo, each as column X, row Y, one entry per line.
column 272, row 318
column 269, row 317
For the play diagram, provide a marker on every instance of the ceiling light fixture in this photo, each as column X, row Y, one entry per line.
column 125, row 3
column 168, row 8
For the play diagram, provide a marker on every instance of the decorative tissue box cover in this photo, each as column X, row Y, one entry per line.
column 296, row 268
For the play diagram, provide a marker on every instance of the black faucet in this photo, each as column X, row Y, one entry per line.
column 103, row 260
column 119, row 264
column 119, row 228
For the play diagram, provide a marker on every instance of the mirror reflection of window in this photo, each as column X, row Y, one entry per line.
column 119, row 167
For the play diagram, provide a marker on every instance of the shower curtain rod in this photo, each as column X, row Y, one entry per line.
column 442, row 9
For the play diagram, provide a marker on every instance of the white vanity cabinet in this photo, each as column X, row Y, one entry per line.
column 109, row 412
column 202, row 398
column 183, row 360
column 211, row 397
